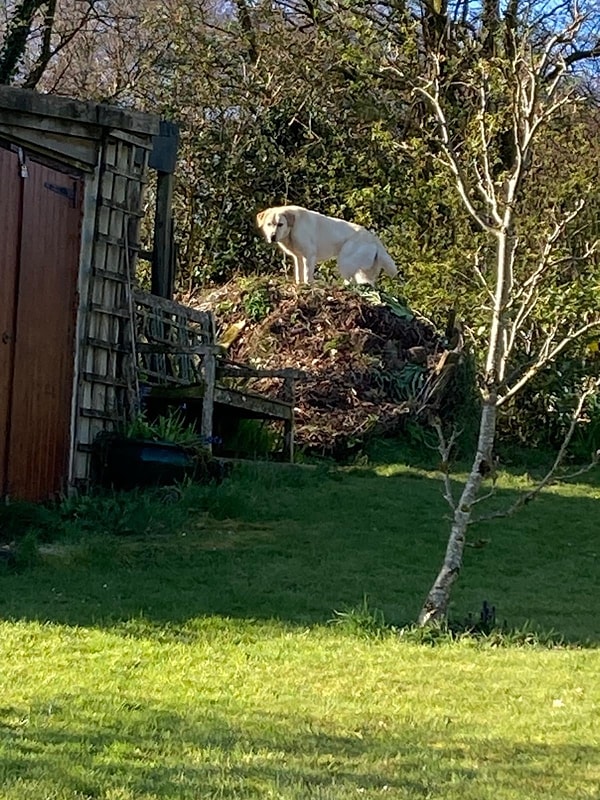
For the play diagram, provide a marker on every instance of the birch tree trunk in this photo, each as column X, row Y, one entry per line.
column 514, row 95
column 435, row 607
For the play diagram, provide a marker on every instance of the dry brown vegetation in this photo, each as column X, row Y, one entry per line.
column 367, row 360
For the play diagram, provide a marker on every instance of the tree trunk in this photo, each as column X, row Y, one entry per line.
column 435, row 607
column 15, row 42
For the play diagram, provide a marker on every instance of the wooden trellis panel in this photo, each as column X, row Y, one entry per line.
column 106, row 393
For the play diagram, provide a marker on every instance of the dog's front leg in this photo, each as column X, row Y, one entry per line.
column 308, row 270
column 297, row 273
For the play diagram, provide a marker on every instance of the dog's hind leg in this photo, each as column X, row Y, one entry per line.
column 358, row 256
column 368, row 277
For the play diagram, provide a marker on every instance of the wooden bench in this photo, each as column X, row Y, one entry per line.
column 178, row 360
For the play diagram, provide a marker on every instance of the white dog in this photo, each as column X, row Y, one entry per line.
column 310, row 238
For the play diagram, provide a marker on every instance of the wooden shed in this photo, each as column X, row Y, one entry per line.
column 72, row 176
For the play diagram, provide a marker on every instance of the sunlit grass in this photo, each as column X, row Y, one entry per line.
column 223, row 708
column 157, row 650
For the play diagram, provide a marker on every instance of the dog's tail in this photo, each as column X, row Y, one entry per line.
column 385, row 261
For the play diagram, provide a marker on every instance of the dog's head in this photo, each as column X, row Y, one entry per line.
column 275, row 223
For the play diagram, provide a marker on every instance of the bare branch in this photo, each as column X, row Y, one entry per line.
column 453, row 162
column 546, row 356
column 486, row 182
column 445, row 451
column 550, row 477
column 491, row 493
column 528, row 292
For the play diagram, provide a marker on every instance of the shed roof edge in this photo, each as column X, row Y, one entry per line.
column 86, row 112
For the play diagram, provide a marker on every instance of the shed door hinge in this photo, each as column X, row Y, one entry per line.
column 22, row 163
column 64, row 191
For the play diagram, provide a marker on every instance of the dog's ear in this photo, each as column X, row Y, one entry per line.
column 290, row 217
column 260, row 218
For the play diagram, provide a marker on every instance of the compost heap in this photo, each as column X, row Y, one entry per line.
column 367, row 360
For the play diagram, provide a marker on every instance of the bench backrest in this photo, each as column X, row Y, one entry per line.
column 169, row 340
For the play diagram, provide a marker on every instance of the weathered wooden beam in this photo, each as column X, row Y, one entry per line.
column 258, row 405
column 266, row 407
column 163, row 276
column 190, row 391
column 230, row 369
column 89, row 113
column 157, row 348
column 206, row 424
column 163, row 158
column 171, row 307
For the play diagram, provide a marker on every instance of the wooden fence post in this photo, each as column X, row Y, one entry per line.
column 208, row 401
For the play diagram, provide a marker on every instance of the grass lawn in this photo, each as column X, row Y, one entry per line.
column 157, row 649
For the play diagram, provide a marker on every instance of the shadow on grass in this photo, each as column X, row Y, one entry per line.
column 296, row 544
column 154, row 752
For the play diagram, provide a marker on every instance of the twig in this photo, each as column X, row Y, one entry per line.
column 444, row 449
column 546, row 356
column 487, row 496
column 550, row 477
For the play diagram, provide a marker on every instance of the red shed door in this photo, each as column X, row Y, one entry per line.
column 39, row 428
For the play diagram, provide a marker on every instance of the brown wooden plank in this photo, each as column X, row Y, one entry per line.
column 97, row 413
column 81, row 153
column 232, row 369
column 27, row 101
column 102, row 344
column 178, row 349
column 258, row 405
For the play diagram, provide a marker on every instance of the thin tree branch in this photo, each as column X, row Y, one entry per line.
column 528, row 292
column 445, row 451
column 550, row 477
column 546, row 356
column 453, row 162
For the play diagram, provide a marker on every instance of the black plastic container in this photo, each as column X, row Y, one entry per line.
column 126, row 463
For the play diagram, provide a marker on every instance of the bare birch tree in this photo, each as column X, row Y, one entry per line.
column 534, row 82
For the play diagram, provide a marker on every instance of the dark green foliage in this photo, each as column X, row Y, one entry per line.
column 169, row 427
column 311, row 104
column 17, row 518
column 256, row 302
column 540, row 416
column 250, row 438
column 461, row 405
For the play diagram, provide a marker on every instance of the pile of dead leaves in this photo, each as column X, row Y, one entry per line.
column 366, row 360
